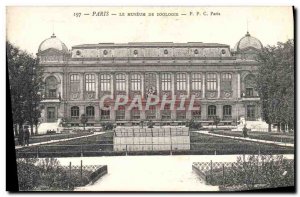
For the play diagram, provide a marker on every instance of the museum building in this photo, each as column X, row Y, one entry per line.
column 220, row 79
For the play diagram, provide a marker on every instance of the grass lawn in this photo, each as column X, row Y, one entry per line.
column 49, row 137
column 277, row 137
column 200, row 144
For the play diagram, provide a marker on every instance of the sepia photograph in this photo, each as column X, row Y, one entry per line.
column 151, row 99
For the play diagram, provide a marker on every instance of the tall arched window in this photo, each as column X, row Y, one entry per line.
column 90, row 111
column 181, row 81
column 211, row 82
column 90, row 84
column 226, row 81
column 249, row 85
column 74, row 112
column 196, row 81
column 211, row 112
column 51, row 87
column 75, row 83
column 166, row 81
column 120, row 82
column 227, row 112
column 120, row 113
column 136, row 82
column 135, row 113
column 105, row 114
column 105, row 82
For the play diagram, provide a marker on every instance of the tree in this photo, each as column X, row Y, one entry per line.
column 216, row 120
column 83, row 120
column 25, row 80
column 275, row 84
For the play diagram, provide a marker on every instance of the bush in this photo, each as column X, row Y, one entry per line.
column 150, row 124
column 193, row 125
column 107, row 126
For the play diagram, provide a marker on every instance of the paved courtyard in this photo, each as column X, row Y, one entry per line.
column 149, row 173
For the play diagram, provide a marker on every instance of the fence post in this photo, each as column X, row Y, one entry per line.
column 223, row 168
column 69, row 175
column 81, row 171
column 258, row 150
column 81, row 151
column 37, row 152
column 171, row 149
column 126, row 149
column 211, row 171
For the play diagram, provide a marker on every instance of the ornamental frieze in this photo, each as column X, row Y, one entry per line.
column 198, row 94
column 103, row 93
column 226, row 93
column 90, row 95
column 211, row 94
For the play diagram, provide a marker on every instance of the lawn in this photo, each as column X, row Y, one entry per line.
column 277, row 137
column 200, row 144
column 220, row 145
column 49, row 137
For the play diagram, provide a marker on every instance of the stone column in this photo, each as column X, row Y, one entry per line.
column 219, row 84
column 127, row 84
column 204, row 111
column 219, row 111
column 81, row 110
column 112, row 113
column 97, row 112
column 157, row 84
column 127, row 113
column 238, row 85
column 97, row 82
column 112, row 85
column 173, row 83
column 203, row 85
column 188, row 83
column 142, row 84
column 82, row 86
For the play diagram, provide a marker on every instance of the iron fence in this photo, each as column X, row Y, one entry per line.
column 110, row 149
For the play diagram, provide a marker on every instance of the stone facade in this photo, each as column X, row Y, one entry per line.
column 220, row 80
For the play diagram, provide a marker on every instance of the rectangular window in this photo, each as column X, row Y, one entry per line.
column 151, row 113
column 120, row 113
column 226, row 81
column 136, row 82
column 211, row 82
column 105, row 114
column 120, row 82
column 135, row 113
column 181, row 115
column 196, row 81
column 251, row 112
column 166, row 113
column 105, row 82
column 249, row 92
column 75, row 83
column 181, row 81
column 90, row 83
column 166, row 82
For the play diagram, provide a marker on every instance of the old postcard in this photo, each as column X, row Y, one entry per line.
column 151, row 98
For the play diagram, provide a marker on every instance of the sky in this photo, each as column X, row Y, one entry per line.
column 28, row 26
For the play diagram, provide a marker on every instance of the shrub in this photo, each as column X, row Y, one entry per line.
column 150, row 124
column 193, row 125
column 107, row 126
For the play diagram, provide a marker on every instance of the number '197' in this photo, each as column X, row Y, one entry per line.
column 77, row 14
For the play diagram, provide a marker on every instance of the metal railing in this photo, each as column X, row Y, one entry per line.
column 109, row 149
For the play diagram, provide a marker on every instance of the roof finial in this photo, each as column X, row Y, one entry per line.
column 247, row 34
column 53, row 35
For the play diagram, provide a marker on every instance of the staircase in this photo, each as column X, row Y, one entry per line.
column 43, row 127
